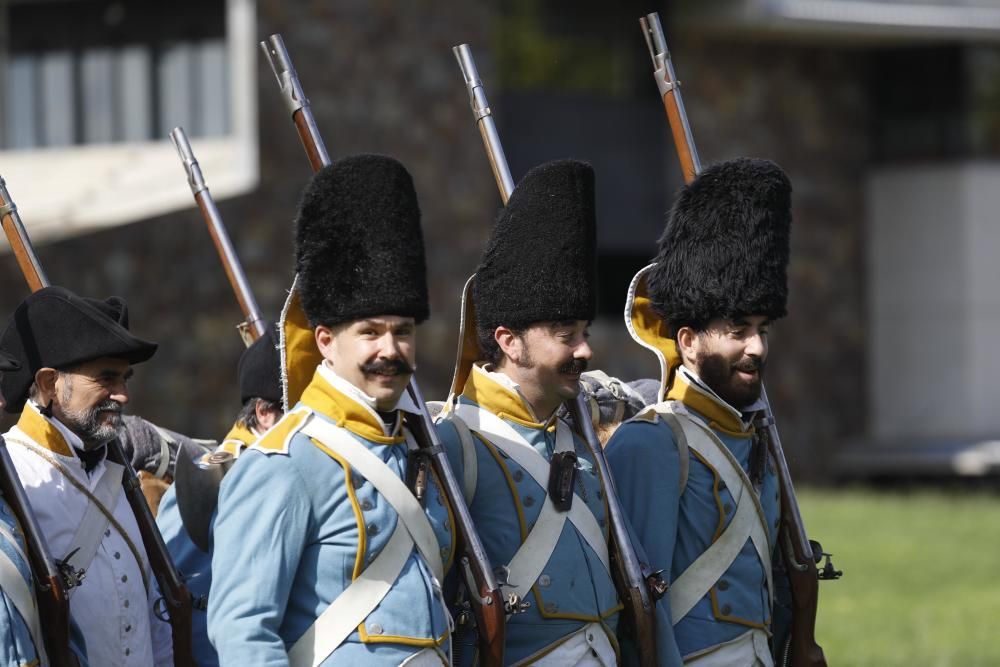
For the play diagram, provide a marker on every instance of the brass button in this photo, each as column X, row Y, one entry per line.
column 727, row 508
column 125, row 604
column 529, row 501
column 375, row 629
column 544, row 581
column 372, row 529
column 551, row 607
column 366, row 504
column 723, row 585
column 128, row 651
column 118, row 556
column 726, row 610
column 128, row 628
column 124, row 578
column 518, row 475
column 357, row 481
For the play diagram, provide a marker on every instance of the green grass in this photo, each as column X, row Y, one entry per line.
column 920, row 581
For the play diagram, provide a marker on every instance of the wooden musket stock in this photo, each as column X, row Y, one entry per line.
column 799, row 556
column 630, row 579
column 175, row 593
column 485, row 595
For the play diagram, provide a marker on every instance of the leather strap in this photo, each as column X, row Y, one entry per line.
column 358, row 600
column 503, row 436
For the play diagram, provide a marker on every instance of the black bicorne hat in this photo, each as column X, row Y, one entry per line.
column 359, row 250
column 259, row 369
column 55, row 328
column 540, row 262
column 724, row 252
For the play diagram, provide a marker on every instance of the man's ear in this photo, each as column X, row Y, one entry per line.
column 687, row 344
column 45, row 380
column 266, row 416
column 510, row 343
column 324, row 340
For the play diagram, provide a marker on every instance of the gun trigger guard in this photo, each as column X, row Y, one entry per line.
column 7, row 209
column 160, row 609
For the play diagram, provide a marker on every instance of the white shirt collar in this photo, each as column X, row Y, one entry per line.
column 348, row 388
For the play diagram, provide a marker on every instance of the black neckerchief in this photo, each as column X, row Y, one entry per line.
column 90, row 458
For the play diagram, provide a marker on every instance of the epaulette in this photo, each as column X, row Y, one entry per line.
column 279, row 438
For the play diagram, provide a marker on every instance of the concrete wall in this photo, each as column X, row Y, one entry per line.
column 934, row 306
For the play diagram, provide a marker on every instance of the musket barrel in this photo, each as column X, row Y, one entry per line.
column 291, row 89
column 220, row 237
column 17, row 236
column 669, row 87
column 484, row 121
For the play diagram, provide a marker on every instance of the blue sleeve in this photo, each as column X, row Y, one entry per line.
column 646, row 467
column 260, row 533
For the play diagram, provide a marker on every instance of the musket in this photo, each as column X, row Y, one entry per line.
column 801, row 555
column 175, row 594
column 298, row 106
column 485, row 596
column 254, row 326
column 638, row 587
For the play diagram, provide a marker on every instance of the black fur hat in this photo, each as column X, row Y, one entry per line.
column 359, row 250
column 540, row 262
column 259, row 369
column 724, row 252
column 55, row 328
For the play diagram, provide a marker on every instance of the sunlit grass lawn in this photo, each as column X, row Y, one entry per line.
column 920, row 583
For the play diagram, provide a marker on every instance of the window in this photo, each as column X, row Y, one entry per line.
column 90, row 98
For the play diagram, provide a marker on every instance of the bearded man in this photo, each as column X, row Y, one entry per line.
column 76, row 357
column 694, row 477
column 347, row 560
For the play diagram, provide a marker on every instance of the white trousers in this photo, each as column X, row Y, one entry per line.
column 748, row 650
column 588, row 647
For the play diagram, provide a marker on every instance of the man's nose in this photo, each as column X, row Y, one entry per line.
column 583, row 351
column 756, row 346
column 120, row 393
column 388, row 347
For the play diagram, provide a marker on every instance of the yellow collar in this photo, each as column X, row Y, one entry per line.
column 43, row 431
column 347, row 412
column 719, row 416
column 241, row 434
column 501, row 400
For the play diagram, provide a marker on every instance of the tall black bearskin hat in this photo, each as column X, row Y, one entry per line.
column 259, row 369
column 724, row 252
column 540, row 262
column 359, row 250
column 55, row 328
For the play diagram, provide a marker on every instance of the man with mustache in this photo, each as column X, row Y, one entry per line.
column 348, row 535
column 692, row 472
column 531, row 483
column 76, row 356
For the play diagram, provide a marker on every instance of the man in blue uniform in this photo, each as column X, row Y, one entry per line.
column 21, row 640
column 323, row 554
column 696, row 481
column 259, row 379
column 531, row 484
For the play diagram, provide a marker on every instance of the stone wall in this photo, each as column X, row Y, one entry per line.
column 381, row 78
